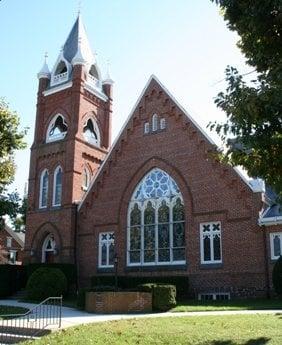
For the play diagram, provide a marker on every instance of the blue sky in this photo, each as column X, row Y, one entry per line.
column 185, row 43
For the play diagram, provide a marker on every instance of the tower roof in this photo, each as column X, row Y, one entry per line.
column 77, row 37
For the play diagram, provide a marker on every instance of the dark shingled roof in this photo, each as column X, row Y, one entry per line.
column 71, row 45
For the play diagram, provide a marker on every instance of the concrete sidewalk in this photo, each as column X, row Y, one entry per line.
column 74, row 317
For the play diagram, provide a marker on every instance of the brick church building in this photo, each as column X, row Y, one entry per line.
column 155, row 202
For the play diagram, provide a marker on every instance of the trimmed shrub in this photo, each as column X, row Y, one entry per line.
column 277, row 276
column 68, row 270
column 12, row 279
column 46, row 282
column 163, row 296
column 128, row 282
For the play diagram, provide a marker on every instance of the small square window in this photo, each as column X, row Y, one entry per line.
column 146, row 128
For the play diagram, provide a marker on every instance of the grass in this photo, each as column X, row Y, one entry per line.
column 242, row 304
column 7, row 310
column 195, row 330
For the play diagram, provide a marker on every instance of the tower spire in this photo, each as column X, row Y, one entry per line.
column 44, row 72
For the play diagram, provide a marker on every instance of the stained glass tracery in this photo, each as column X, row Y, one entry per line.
column 156, row 229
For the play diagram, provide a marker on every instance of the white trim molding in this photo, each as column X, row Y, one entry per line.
column 107, row 241
column 57, row 88
column 210, row 231
column 275, row 239
column 57, row 187
column 41, row 187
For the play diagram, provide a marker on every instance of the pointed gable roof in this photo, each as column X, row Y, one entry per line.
column 153, row 79
column 71, row 45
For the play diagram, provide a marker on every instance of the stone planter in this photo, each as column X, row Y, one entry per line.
column 118, row 302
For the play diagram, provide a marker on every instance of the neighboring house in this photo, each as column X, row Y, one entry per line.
column 156, row 202
column 12, row 245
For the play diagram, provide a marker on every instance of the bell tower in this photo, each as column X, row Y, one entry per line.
column 72, row 136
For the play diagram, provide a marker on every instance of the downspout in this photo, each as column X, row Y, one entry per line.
column 266, row 262
column 75, row 245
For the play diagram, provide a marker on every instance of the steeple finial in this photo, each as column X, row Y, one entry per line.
column 78, row 59
column 44, row 72
column 108, row 79
column 79, row 8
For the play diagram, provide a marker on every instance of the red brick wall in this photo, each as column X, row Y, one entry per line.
column 73, row 153
column 211, row 192
column 15, row 246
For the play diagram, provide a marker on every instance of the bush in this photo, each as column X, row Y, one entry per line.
column 13, row 278
column 163, row 296
column 277, row 276
column 46, row 282
column 128, row 282
column 68, row 270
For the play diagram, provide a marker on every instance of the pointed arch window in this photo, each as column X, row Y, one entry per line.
column 57, row 129
column 94, row 76
column 57, row 186
column 60, row 72
column 43, row 190
column 156, row 222
column 86, row 177
column 49, row 249
column 91, row 132
column 155, row 122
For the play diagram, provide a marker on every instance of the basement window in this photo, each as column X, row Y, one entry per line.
column 214, row 296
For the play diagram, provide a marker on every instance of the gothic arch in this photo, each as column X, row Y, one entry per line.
column 41, row 233
column 156, row 162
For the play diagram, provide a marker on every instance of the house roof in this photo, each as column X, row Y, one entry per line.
column 17, row 236
column 154, row 78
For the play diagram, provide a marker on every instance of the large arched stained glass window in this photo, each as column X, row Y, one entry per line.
column 156, row 222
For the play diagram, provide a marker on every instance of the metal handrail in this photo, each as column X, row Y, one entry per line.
column 28, row 325
column 30, row 310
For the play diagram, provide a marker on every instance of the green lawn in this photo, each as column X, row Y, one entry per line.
column 7, row 310
column 195, row 330
column 248, row 304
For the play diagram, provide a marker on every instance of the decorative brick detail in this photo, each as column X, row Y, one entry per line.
column 118, row 302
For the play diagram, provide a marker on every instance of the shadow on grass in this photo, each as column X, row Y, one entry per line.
column 258, row 341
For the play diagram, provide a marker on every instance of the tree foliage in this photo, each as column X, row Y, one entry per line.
column 252, row 132
column 11, row 139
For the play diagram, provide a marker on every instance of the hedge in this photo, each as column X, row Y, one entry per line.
column 12, row 279
column 46, row 282
column 131, row 282
column 69, row 270
column 164, row 296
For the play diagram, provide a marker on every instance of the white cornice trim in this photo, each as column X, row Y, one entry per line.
column 270, row 221
column 95, row 92
column 57, row 88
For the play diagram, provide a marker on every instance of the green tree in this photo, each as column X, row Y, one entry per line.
column 252, row 132
column 11, row 139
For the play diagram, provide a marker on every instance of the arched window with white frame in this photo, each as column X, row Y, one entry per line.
column 156, row 222
column 57, row 129
column 49, row 249
column 43, row 189
column 86, row 177
column 155, row 121
column 91, row 132
column 57, row 186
